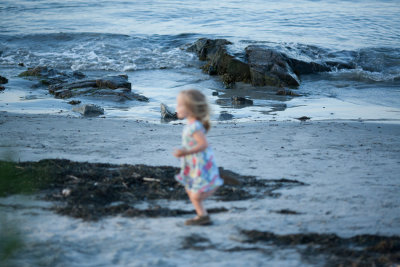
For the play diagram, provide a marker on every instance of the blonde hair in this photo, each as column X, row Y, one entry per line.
column 197, row 104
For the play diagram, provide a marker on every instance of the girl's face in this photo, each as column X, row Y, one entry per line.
column 181, row 108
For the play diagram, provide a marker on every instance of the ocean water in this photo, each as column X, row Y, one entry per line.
column 147, row 39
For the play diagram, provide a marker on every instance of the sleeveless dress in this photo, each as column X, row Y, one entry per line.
column 199, row 172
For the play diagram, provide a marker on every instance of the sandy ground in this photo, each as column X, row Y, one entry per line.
column 351, row 168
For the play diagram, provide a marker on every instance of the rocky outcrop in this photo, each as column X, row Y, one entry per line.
column 238, row 100
column 74, row 102
column 167, row 113
column 39, row 71
column 114, row 82
column 66, row 85
column 3, row 80
column 258, row 65
column 269, row 67
column 220, row 62
column 89, row 110
column 287, row 92
column 49, row 76
column 224, row 116
column 235, row 101
column 303, row 118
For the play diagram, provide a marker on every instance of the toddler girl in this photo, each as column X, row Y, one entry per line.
column 199, row 172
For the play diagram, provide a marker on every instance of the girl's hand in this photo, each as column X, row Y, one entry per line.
column 180, row 153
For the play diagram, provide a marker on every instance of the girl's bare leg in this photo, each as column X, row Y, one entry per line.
column 197, row 200
column 198, row 204
column 205, row 195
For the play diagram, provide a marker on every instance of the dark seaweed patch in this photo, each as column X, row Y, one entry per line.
column 359, row 250
column 93, row 190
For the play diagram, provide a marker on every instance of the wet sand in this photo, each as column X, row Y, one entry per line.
column 349, row 168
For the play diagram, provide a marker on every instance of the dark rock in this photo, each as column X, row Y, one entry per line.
column 302, row 67
column 287, row 212
column 234, row 101
column 207, row 48
column 132, row 96
column 114, row 82
column 78, row 75
column 21, row 64
column 50, row 76
column 120, row 94
column 63, row 93
column 116, row 87
column 269, row 67
column 74, row 102
column 72, row 85
column 228, row 80
column 2, row 88
column 340, row 65
column 167, row 113
column 224, row 101
column 259, row 65
column 303, row 118
column 89, row 110
column 287, row 92
column 39, row 71
column 223, row 116
column 237, row 100
column 3, row 80
column 45, row 82
column 219, row 60
column 215, row 93
column 212, row 70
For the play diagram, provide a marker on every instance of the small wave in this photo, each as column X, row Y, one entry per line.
column 364, row 76
column 94, row 51
column 375, row 64
column 119, row 52
column 380, row 64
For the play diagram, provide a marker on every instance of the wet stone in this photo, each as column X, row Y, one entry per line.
column 287, row 212
column 287, row 92
column 3, row 80
column 303, row 118
column 168, row 113
column 224, row 116
column 71, row 84
column 89, row 110
column 237, row 100
column 74, row 102
column 259, row 65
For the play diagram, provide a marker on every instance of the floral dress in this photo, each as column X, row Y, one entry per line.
column 199, row 172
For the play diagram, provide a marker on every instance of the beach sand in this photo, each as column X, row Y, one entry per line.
column 350, row 168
